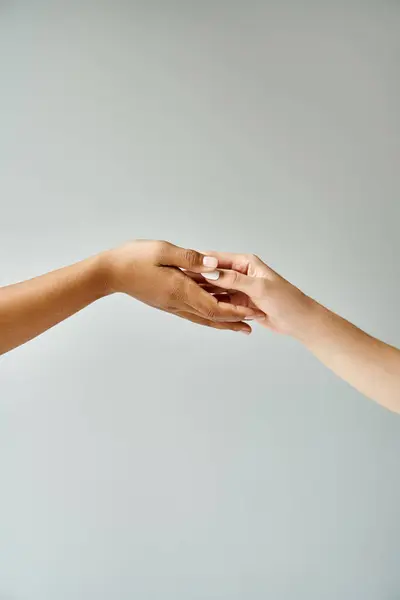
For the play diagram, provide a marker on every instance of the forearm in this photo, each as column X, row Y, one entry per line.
column 369, row 365
column 29, row 308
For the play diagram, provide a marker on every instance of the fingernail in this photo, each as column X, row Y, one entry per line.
column 245, row 331
column 249, row 319
column 213, row 275
column 210, row 261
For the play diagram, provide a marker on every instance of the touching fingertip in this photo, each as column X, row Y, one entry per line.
column 210, row 262
column 213, row 275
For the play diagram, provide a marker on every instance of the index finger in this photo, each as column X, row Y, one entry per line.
column 186, row 258
column 231, row 260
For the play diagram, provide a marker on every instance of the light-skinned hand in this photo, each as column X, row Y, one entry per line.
column 244, row 279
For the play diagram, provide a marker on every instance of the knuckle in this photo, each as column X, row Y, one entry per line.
column 190, row 257
column 164, row 245
column 173, row 291
column 177, row 293
column 233, row 277
column 211, row 313
column 160, row 248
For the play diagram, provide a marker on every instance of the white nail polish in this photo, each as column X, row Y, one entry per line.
column 213, row 275
column 210, row 261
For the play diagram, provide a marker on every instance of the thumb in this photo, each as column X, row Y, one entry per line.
column 233, row 280
column 190, row 260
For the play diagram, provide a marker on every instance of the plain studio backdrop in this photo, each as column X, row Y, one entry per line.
column 144, row 457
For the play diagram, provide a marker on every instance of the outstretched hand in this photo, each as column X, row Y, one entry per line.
column 245, row 280
column 214, row 289
column 154, row 273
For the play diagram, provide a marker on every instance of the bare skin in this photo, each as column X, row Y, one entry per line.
column 366, row 363
column 150, row 271
column 185, row 283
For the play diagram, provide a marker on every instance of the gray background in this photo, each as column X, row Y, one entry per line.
column 142, row 457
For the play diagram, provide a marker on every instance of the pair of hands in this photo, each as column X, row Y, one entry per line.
column 215, row 289
column 187, row 283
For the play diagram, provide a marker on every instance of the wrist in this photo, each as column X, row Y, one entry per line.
column 311, row 323
column 100, row 274
column 305, row 319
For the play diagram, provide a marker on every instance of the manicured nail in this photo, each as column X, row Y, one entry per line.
column 210, row 261
column 213, row 275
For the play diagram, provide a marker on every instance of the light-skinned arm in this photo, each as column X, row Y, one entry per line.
column 366, row 363
column 149, row 271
